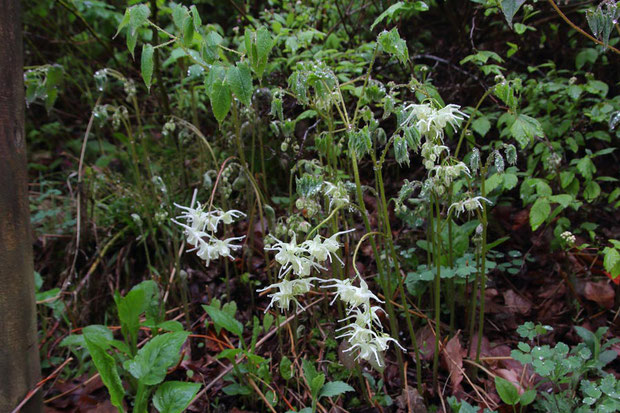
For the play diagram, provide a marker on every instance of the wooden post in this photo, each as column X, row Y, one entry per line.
column 19, row 354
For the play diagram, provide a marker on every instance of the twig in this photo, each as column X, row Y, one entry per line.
column 579, row 29
column 40, row 384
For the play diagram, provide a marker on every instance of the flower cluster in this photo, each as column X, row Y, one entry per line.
column 431, row 122
column 302, row 258
column 363, row 333
column 198, row 222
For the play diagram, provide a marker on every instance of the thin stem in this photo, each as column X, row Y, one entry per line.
column 483, row 278
column 437, row 259
column 579, row 29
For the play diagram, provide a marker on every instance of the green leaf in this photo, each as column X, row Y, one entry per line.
column 106, row 366
column 611, row 261
column 507, row 391
column 360, row 142
column 401, row 151
column 221, row 99
column 309, row 370
column 317, row 384
column 391, row 43
column 527, row 397
column 137, row 16
column 146, row 64
column 240, row 80
column 539, row 212
column 481, row 125
column 586, row 167
column 224, row 320
column 286, row 368
column 591, row 191
column 524, row 129
column 510, row 8
column 335, row 388
column 174, row 396
column 151, row 363
column 99, row 335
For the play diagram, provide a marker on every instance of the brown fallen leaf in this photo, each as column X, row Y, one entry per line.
column 410, row 401
column 452, row 356
column 600, row 292
column 516, row 303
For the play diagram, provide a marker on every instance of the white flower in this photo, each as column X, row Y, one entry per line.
column 351, row 295
column 201, row 220
column 430, row 121
column 293, row 257
column 368, row 342
column 323, row 250
column 366, row 317
column 287, row 290
column 468, row 204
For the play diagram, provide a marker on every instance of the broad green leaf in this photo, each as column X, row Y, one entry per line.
column 539, row 212
column 179, row 14
column 481, row 125
column 224, row 320
column 146, row 64
column 151, row 363
column 510, row 8
column 188, row 31
column 398, row 8
column 586, row 167
column 391, row 43
column 137, row 16
column 240, row 80
column 124, row 22
column 507, row 391
column 99, row 335
column 335, row 388
column 286, row 368
column 196, row 17
column 221, row 99
column 106, row 367
column 525, row 129
column 562, row 199
column 174, row 396
column 264, row 44
column 591, row 191
column 309, row 370
column 527, row 397
column 611, row 261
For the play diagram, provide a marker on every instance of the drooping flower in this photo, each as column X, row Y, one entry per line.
column 351, row 295
column 287, row 292
column 468, row 204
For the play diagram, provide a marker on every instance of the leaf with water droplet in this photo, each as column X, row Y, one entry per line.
column 146, row 64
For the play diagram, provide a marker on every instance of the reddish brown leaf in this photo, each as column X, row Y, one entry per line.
column 600, row 292
column 515, row 303
column 452, row 356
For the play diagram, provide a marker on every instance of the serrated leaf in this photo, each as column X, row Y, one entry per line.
column 138, row 15
column 174, row 396
column 240, row 80
column 586, row 167
column 507, row 391
column 335, row 388
column 106, row 366
column 146, row 64
column 539, row 212
column 151, row 363
column 224, row 320
column 510, row 8
column 524, row 129
column 391, row 43
column 401, row 151
column 221, row 98
column 316, row 384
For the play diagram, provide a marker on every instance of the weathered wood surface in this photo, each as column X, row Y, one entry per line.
column 19, row 355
